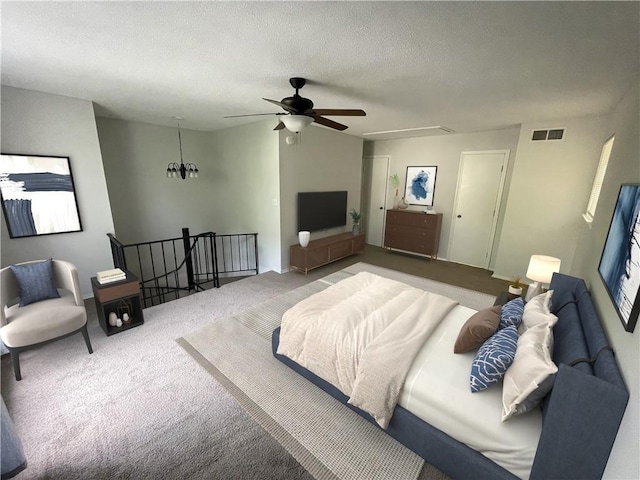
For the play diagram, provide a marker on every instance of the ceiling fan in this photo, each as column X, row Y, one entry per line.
column 299, row 111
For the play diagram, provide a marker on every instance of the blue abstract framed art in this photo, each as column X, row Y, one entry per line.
column 619, row 265
column 420, row 185
column 38, row 195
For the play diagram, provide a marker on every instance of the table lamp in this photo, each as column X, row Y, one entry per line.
column 541, row 269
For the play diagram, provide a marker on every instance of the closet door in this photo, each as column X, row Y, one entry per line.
column 477, row 204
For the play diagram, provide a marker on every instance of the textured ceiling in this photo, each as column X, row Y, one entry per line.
column 468, row 66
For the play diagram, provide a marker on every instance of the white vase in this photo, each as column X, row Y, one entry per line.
column 303, row 238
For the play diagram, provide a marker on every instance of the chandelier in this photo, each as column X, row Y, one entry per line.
column 182, row 170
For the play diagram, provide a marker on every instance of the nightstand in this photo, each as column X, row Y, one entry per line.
column 504, row 297
column 118, row 297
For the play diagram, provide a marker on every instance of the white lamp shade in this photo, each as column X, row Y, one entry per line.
column 541, row 268
column 295, row 123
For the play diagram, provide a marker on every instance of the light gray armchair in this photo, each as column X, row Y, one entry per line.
column 43, row 321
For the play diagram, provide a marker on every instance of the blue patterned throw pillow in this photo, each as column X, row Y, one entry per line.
column 35, row 282
column 493, row 358
column 511, row 313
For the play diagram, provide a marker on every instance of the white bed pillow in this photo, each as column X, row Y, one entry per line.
column 531, row 375
column 537, row 311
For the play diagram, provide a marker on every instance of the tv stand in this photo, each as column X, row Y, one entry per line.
column 324, row 250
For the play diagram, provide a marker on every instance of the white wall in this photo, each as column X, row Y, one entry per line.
column 238, row 178
column 549, row 190
column 445, row 152
column 624, row 167
column 323, row 160
column 44, row 124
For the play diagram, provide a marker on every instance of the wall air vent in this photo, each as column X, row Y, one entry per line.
column 547, row 134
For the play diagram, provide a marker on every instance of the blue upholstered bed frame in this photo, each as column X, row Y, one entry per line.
column 581, row 415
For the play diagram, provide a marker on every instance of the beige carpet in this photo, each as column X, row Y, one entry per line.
column 140, row 407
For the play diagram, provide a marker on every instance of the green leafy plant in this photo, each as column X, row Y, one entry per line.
column 355, row 216
column 395, row 181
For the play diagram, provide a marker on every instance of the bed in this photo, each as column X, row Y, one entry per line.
column 577, row 421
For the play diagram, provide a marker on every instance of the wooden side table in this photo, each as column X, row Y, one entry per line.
column 118, row 297
column 504, row 297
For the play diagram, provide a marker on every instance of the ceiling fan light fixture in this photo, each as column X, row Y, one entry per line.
column 296, row 123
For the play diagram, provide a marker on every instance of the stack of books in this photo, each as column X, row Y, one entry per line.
column 108, row 276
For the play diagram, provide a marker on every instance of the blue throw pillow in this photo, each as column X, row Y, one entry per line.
column 511, row 313
column 493, row 358
column 35, row 282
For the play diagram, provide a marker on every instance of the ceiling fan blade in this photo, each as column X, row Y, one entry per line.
column 280, row 126
column 329, row 123
column 340, row 112
column 283, row 105
column 251, row 115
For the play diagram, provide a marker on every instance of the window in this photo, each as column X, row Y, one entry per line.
column 597, row 181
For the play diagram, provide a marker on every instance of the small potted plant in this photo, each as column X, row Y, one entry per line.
column 355, row 218
column 395, row 183
column 515, row 288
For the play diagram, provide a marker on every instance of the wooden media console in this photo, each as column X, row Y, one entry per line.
column 324, row 250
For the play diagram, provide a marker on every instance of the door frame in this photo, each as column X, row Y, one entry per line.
column 498, row 204
column 386, row 191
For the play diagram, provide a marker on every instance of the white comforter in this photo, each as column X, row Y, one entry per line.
column 361, row 334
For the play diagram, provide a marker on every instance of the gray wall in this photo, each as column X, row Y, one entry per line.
column 445, row 151
column 249, row 178
column 323, row 160
column 147, row 205
column 549, row 191
column 238, row 181
column 246, row 186
column 624, row 167
column 44, row 124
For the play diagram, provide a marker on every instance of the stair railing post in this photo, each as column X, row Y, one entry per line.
column 255, row 242
column 188, row 258
column 117, row 252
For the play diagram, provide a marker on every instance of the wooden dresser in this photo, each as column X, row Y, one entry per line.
column 413, row 231
column 324, row 250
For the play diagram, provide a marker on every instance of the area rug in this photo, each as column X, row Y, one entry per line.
column 328, row 439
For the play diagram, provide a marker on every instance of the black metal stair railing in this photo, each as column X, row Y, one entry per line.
column 172, row 268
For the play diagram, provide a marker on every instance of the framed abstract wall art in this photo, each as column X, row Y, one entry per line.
column 619, row 265
column 420, row 185
column 38, row 196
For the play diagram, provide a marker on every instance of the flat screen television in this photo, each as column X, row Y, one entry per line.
column 321, row 210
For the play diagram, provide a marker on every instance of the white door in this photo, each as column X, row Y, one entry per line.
column 477, row 204
column 375, row 175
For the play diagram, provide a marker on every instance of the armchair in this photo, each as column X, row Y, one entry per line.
column 43, row 321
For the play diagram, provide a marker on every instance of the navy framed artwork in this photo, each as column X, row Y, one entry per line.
column 420, row 185
column 38, row 195
column 619, row 265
